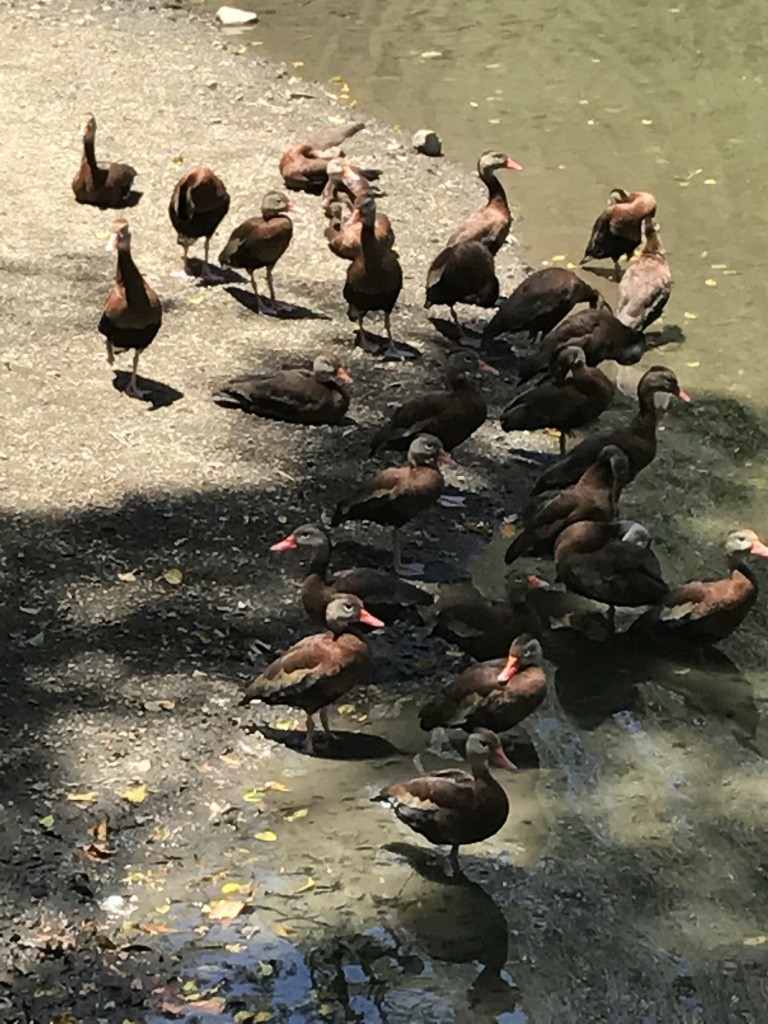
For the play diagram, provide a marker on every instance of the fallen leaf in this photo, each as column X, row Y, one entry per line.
column 164, row 907
column 284, row 724
column 283, row 931
column 694, row 364
column 226, row 910
column 267, row 970
column 83, row 798
column 646, row 120
column 159, row 705
column 297, row 815
column 710, row 181
column 179, row 1008
column 266, row 837
column 277, row 787
column 691, row 316
column 177, row 159
column 431, row 54
column 756, row 940
column 127, row 577
column 229, row 887
column 174, row 576
column 47, row 821
column 135, row 794
column 235, row 947
column 158, row 928
column 64, row 1018
column 306, row 887
column 711, row 282
column 253, row 796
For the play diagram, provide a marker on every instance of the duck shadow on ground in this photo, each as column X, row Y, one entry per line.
column 279, row 310
column 339, row 745
column 156, row 394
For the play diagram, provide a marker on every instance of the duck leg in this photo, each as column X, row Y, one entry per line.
column 110, row 353
column 612, row 618
column 324, row 722
column 413, row 568
column 270, row 285
column 393, row 350
column 362, row 337
column 309, row 744
column 454, row 860
column 562, row 442
column 132, row 388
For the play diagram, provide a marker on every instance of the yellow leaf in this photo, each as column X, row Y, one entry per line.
column 173, row 576
column 710, row 181
column 284, row 724
column 47, row 821
column 277, row 787
column 64, row 1018
column 266, row 837
column 230, row 887
column 719, row 266
column 83, row 798
column 103, row 235
column 253, row 796
column 560, row 258
column 283, row 931
column 646, row 120
column 267, row 970
column 177, row 159
column 431, row 54
column 235, row 947
column 756, row 940
column 302, row 812
column 508, row 530
column 691, row 316
column 336, row 79
column 135, row 794
column 226, row 910
column 127, row 577
column 308, row 885
column 711, row 282
column 694, row 364
column 238, row 49
column 262, row 1017
column 164, row 907
column 345, row 709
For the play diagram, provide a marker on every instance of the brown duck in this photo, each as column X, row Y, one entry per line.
column 577, row 395
column 637, row 440
column 452, row 415
column 541, row 301
column 321, row 668
column 617, row 231
column 707, row 611
column 455, row 807
column 386, row 595
column 261, row 241
column 98, row 184
column 398, row 494
column 495, row 694
column 345, row 186
column 647, row 282
column 464, row 273
column 199, row 203
column 132, row 313
column 304, row 167
column 484, row 629
column 594, row 496
column 490, row 224
column 313, row 396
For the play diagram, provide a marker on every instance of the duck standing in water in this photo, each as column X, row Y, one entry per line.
column 617, row 231
column 647, row 282
column 132, row 313
column 455, row 807
column 321, row 668
column 491, row 223
column 102, row 185
column 198, row 205
column 261, row 241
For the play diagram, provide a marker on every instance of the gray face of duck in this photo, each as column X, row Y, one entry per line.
column 425, row 450
column 275, row 204
column 744, row 542
column 484, row 746
column 345, row 610
column 516, row 587
column 327, row 366
column 635, row 533
column 567, row 361
column 464, row 363
column 493, row 160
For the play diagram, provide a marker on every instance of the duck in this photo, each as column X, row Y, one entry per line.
column 345, row 184
column 637, row 440
column 617, row 231
column 321, row 668
column 484, row 629
column 304, row 166
column 540, row 302
column 386, row 595
column 198, row 205
column 491, row 223
column 133, row 312
column 451, row 806
column 317, row 396
column 452, row 415
column 496, row 694
column 374, row 277
column 708, row 611
column 610, row 562
column 102, row 185
column 344, row 239
column 597, row 331
column 397, row 494
column 594, row 496
column 261, row 241
column 645, row 288
column 575, row 397
column 465, row 273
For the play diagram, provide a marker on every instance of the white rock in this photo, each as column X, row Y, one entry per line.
column 427, row 142
column 234, row 16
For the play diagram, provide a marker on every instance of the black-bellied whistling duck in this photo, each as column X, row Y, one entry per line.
column 345, row 185
column 453, row 807
column 321, row 668
column 462, row 273
column 616, row 232
column 374, row 277
column 484, row 629
column 490, row 223
column 610, row 562
column 313, row 396
column 98, row 184
column 597, row 331
column 707, row 611
column 541, row 301
column 452, row 415
column 594, row 496
column 132, row 313
column 495, row 694
column 261, row 241
column 647, row 282
column 304, row 167
column 198, row 205
column 575, row 397
column 637, row 439
column 398, row 494
column 383, row 593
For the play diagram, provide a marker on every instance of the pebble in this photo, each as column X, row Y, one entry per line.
column 235, row 16
column 427, row 142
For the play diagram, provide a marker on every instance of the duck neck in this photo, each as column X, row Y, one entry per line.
column 320, row 559
column 738, row 564
column 460, row 382
column 89, row 153
column 496, row 194
column 127, row 274
column 644, row 422
column 478, row 765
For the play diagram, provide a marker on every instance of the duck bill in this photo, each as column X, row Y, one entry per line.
column 293, row 207
column 513, row 165
column 111, row 244
column 534, row 582
column 370, row 620
column 683, row 396
column 354, row 217
column 484, row 367
column 288, row 543
column 509, row 670
column 342, row 374
column 500, row 759
column 758, row 548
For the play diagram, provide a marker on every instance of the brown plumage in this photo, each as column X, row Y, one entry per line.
column 541, row 301
column 383, row 593
column 706, row 611
column 465, row 273
column 344, row 186
column 320, row 669
column 398, row 494
column 199, row 203
column 98, row 184
column 594, row 496
column 490, row 223
column 132, row 313
column 484, row 629
column 575, row 397
column 313, row 396
column 374, row 277
column 452, row 806
column 495, row 694
column 647, row 282
column 304, row 167
column 261, row 241
column 637, row 440
column 617, row 232
column 452, row 415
